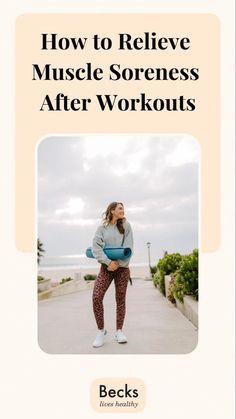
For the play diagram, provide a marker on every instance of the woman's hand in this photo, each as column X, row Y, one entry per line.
column 113, row 265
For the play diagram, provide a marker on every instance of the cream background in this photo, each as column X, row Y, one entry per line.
column 199, row 384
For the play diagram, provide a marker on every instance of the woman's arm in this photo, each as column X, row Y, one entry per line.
column 127, row 242
column 128, row 239
column 98, row 245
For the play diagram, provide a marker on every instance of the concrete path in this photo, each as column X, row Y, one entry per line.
column 153, row 325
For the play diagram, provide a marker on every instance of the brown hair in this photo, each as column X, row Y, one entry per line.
column 107, row 217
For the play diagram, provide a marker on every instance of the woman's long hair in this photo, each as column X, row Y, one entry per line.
column 107, row 217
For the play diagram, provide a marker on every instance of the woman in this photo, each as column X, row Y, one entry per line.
column 115, row 232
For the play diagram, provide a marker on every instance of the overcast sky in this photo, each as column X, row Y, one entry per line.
column 156, row 177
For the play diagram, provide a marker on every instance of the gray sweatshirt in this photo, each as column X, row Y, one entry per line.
column 110, row 236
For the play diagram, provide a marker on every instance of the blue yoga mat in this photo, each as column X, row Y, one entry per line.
column 112, row 253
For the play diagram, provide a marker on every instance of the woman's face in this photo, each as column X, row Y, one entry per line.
column 118, row 212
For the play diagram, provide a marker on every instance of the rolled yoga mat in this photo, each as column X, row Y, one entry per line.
column 112, row 253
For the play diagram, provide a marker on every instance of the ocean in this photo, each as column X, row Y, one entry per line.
column 76, row 266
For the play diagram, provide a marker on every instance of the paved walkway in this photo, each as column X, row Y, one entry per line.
column 153, row 325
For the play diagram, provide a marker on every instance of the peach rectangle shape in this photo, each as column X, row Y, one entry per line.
column 203, row 123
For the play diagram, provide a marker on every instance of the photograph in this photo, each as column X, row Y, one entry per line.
column 117, row 243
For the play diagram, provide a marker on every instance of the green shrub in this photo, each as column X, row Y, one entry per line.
column 156, row 278
column 153, row 270
column 167, row 265
column 186, row 282
column 40, row 278
column 64, row 280
column 89, row 277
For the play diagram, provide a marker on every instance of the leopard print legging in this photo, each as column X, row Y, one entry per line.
column 102, row 283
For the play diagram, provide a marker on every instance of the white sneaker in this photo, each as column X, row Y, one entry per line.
column 99, row 341
column 120, row 337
